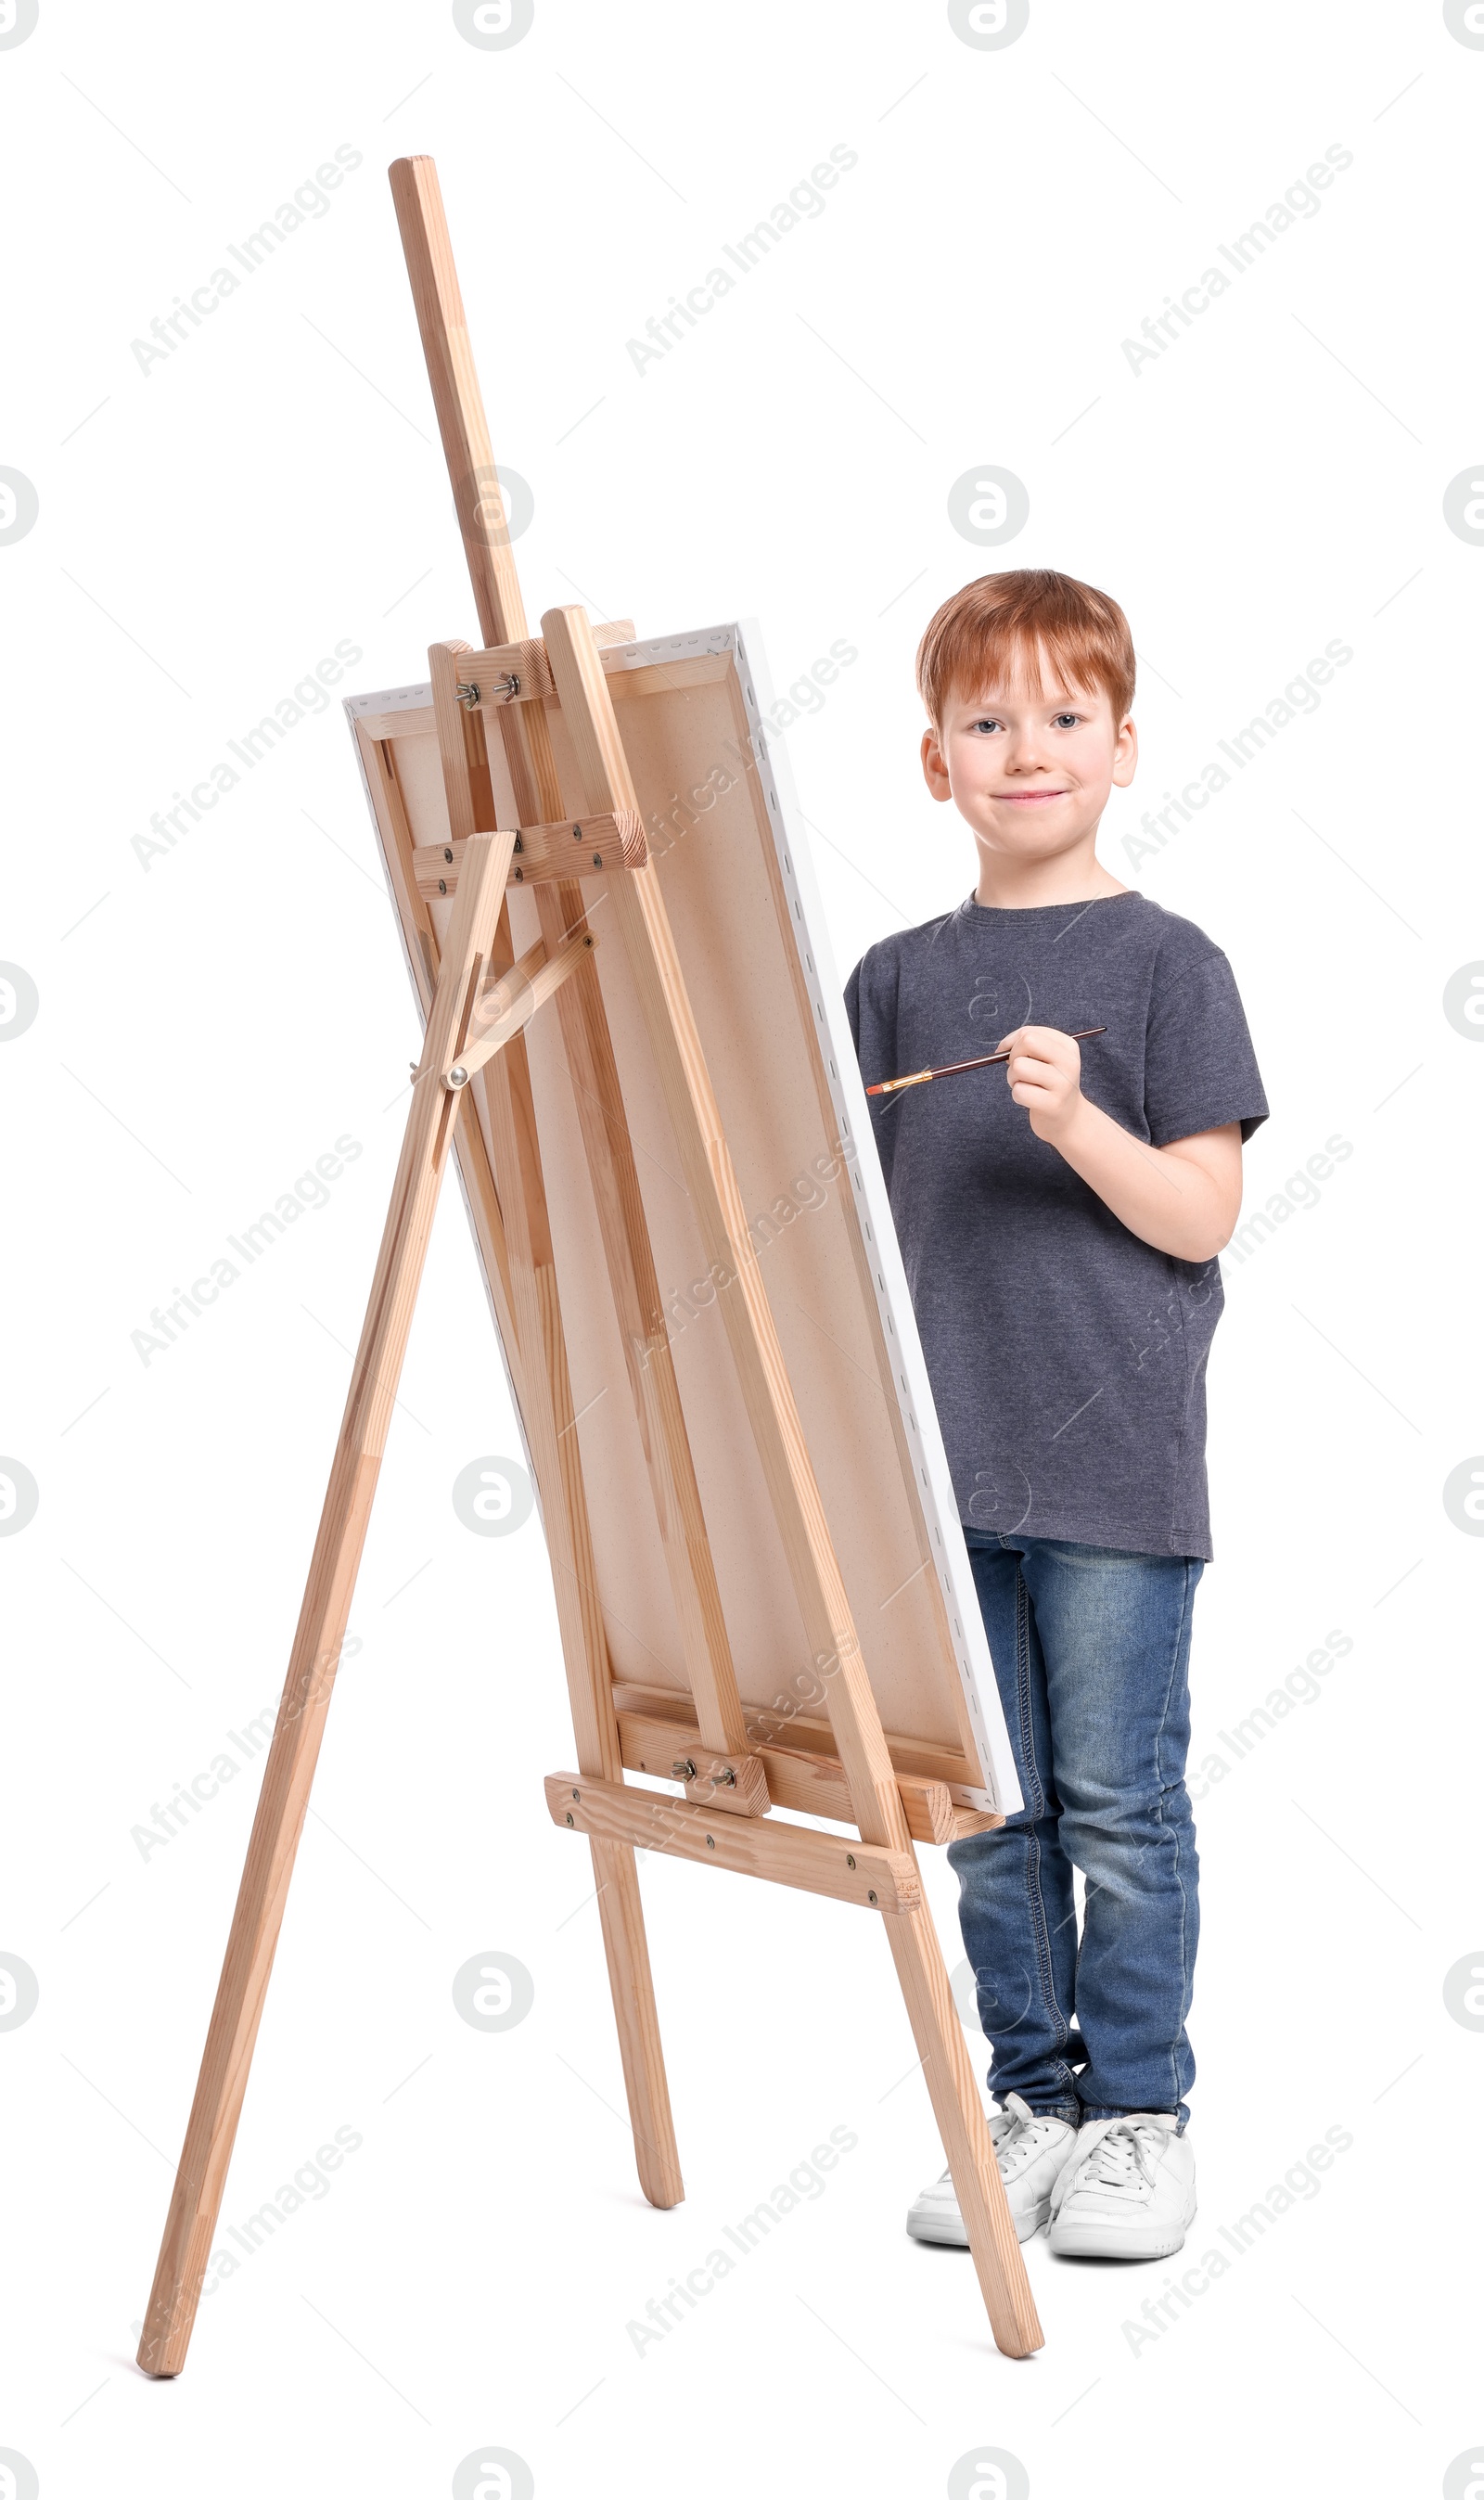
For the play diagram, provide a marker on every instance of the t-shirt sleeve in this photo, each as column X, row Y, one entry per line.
column 1199, row 1068
column 853, row 1008
column 870, row 1004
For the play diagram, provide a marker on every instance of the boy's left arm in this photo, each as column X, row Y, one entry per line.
column 1182, row 1198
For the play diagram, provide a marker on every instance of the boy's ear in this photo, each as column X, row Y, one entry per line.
column 1125, row 754
column 933, row 770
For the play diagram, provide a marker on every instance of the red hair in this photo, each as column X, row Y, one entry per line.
column 993, row 628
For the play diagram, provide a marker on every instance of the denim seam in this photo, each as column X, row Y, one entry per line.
column 1180, row 1437
column 1159, row 1775
column 1037, row 1801
column 1034, row 1899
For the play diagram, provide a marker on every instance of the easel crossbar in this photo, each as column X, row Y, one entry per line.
column 784, row 1852
column 576, row 846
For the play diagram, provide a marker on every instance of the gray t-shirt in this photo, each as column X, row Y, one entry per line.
column 1067, row 1357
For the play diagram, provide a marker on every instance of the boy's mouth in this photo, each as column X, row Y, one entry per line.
column 1029, row 798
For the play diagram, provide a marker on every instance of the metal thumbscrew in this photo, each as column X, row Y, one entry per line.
column 686, row 1770
column 850, row 1861
column 468, row 696
column 726, row 1777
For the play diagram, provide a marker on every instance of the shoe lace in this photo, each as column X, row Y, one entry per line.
column 1122, row 2157
column 1019, row 2132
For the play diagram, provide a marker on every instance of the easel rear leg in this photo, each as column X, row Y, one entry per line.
column 551, row 1425
column 283, row 1800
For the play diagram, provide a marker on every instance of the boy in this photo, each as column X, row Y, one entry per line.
column 1060, row 1226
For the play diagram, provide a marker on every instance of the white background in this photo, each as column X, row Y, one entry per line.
column 210, row 1022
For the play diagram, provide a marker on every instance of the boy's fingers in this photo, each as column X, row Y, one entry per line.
column 1041, row 1037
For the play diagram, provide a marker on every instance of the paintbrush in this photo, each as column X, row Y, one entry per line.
column 993, row 1058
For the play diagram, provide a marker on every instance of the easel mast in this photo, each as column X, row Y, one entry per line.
column 474, row 1014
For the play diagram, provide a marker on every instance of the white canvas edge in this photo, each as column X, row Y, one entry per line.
column 848, row 1093
column 1000, row 1789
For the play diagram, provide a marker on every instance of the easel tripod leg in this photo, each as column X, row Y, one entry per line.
column 284, row 1802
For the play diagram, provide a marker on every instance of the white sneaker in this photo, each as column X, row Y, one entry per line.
column 1029, row 2154
column 1131, row 2192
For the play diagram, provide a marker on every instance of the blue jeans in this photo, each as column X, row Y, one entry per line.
column 1091, row 1649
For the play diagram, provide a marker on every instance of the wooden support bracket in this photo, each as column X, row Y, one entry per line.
column 510, row 1002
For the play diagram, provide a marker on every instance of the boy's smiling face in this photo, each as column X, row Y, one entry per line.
column 1029, row 766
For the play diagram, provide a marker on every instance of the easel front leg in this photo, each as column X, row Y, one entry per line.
column 956, row 2105
column 284, row 1802
column 615, row 1872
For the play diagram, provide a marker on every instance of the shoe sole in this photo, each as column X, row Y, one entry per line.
column 1098, row 2240
column 937, row 2235
column 951, row 2235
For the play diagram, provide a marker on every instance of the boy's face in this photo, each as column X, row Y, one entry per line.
column 1029, row 767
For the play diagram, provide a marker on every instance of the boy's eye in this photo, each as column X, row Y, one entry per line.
column 1059, row 720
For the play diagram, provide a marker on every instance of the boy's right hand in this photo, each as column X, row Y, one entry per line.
column 1045, row 1075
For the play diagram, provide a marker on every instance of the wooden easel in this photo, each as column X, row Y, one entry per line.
column 477, row 1001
